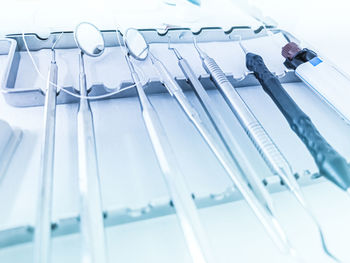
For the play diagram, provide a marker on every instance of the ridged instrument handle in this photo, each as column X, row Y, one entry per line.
column 255, row 131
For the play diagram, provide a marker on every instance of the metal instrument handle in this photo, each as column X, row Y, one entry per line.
column 91, row 211
column 42, row 237
column 181, row 196
column 253, row 128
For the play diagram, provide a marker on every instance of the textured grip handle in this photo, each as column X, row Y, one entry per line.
column 330, row 163
column 267, row 148
column 255, row 131
column 234, row 100
column 215, row 71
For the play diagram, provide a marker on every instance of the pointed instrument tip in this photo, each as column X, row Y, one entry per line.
column 243, row 47
column 201, row 53
column 336, row 169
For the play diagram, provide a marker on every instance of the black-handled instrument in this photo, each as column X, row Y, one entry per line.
column 329, row 162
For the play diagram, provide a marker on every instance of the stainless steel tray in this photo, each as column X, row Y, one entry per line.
column 22, row 87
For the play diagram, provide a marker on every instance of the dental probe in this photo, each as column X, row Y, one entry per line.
column 42, row 234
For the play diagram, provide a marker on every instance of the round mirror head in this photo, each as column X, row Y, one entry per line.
column 89, row 39
column 136, row 44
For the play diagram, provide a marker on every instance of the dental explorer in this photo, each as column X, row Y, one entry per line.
column 42, row 234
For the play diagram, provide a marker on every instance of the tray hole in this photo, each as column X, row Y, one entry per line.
column 54, row 226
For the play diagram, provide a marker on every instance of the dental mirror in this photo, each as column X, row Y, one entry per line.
column 136, row 44
column 89, row 39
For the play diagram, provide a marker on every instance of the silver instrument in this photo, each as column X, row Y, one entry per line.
column 223, row 130
column 91, row 43
column 257, row 134
column 185, row 207
column 42, row 237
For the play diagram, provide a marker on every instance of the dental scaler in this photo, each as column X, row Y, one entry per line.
column 324, row 79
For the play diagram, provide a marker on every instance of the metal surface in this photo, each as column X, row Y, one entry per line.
column 89, row 39
column 136, row 44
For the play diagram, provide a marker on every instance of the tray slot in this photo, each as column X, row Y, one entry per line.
column 109, row 72
column 153, row 209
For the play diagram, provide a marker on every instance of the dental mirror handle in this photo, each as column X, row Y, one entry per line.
column 181, row 196
column 179, row 192
column 91, row 215
column 42, row 234
column 330, row 163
